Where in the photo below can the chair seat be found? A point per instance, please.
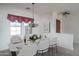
(54, 45)
(43, 46)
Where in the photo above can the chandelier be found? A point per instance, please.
(33, 24)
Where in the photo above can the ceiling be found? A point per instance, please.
(47, 7)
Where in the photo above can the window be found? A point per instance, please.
(28, 30)
(15, 28)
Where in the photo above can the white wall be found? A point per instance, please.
(4, 31)
(43, 19)
(65, 40)
(49, 17)
(70, 25)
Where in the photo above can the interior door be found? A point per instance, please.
(58, 29)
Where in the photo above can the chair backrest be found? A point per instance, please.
(28, 50)
(43, 44)
(15, 39)
(53, 41)
(16, 43)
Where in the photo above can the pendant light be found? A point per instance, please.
(33, 24)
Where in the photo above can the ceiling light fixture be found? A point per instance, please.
(33, 24)
(65, 13)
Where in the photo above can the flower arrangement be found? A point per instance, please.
(34, 37)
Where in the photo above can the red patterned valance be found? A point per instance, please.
(20, 19)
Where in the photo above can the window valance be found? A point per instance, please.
(20, 19)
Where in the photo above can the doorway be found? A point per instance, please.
(58, 27)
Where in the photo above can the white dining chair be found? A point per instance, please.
(16, 43)
(43, 47)
(16, 39)
(28, 50)
(53, 44)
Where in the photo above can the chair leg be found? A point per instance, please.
(37, 53)
(56, 49)
(42, 53)
(49, 51)
(52, 50)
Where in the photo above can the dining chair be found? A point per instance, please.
(28, 50)
(43, 47)
(15, 44)
(53, 44)
(16, 39)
